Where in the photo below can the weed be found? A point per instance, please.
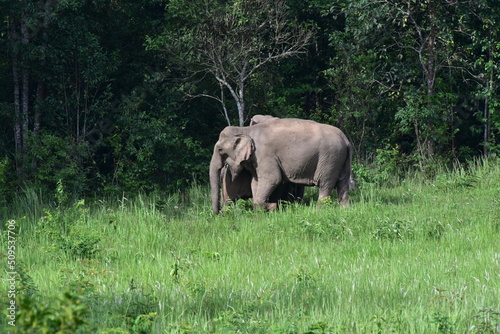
(324, 228)
(176, 270)
(487, 321)
(456, 181)
(64, 314)
(389, 229)
(435, 229)
(67, 228)
(240, 207)
(245, 321)
(27, 286)
(139, 307)
(444, 324)
(305, 276)
(143, 323)
(319, 328)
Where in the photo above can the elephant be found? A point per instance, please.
(239, 187)
(279, 150)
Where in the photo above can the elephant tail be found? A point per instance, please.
(346, 175)
(352, 184)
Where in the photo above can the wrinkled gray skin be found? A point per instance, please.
(240, 187)
(292, 150)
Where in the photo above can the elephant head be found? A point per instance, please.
(232, 151)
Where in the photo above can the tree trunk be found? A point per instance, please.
(40, 96)
(41, 85)
(430, 72)
(487, 122)
(241, 103)
(241, 112)
(25, 91)
(486, 113)
(18, 133)
(18, 138)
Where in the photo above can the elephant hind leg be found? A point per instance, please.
(343, 191)
(325, 192)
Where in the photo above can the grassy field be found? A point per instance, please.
(419, 256)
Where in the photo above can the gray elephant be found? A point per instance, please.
(239, 187)
(278, 150)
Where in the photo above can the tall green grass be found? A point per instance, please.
(420, 256)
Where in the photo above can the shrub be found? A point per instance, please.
(389, 229)
(66, 227)
(64, 314)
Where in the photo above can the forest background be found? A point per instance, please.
(122, 95)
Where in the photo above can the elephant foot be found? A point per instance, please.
(344, 198)
(265, 206)
(324, 201)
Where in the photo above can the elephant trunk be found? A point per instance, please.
(215, 169)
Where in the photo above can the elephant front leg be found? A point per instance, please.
(262, 194)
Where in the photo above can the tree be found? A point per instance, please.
(485, 69)
(414, 51)
(230, 41)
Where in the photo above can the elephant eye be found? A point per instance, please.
(220, 150)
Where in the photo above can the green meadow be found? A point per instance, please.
(410, 255)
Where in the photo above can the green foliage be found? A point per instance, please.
(319, 328)
(328, 228)
(388, 167)
(487, 321)
(389, 261)
(102, 84)
(239, 208)
(63, 314)
(57, 159)
(66, 228)
(27, 286)
(154, 151)
(139, 308)
(444, 325)
(393, 230)
(7, 184)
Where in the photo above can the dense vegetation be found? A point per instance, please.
(417, 256)
(108, 115)
(127, 95)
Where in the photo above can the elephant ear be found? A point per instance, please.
(243, 148)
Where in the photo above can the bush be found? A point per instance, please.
(7, 188)
(66, 228)
(64, 314)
